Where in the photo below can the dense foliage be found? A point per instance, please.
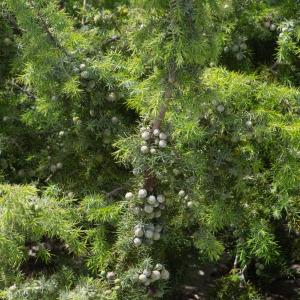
(136, 136)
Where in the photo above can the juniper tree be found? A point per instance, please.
(174, 103)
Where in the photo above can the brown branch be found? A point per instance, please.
(45, 26)
(150, 180)
(114, 192)
(110, 40)
(24, 90)
(49, 177)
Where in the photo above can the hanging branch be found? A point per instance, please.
(24, 90)
(115, 192)
(110, 40)
(149, 179)
(45, 27)
(242, 271)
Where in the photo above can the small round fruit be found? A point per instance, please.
(138, 232)
(261, 266)
(110, 275)
(239, 56)
(150, 216)
(61, 133)
(53, 168)
(137, 226)
(158, 228)
(267, 24)
(190, 204)
(156, 141)
(70, 194)
(137, 242)
(152, 150)
(258, 272)
(142, 193)
(149, 234)
(142, 278)
(148, 209)
(114, 120)
(249, 124)
(137, 210)
(165, 275)
(21, 173)
(235, 48)
(161, 198)
(5, 118)
(112, 97)
(151, 200)
(146, 135)
(181, 193)
(106, 132)
(176, 172)
(135, 171)
(159, 267)
(59, 165)
(155, 275)
(220, 108)
(54, 98)
(85, 74)
(273, 27)
(157, 214)
(7, 41)
(162, 144)
(76, 70)
(226, 49)
(149, 242)
(156, 204)
(91, 84)
(144, 149)
(92, 113)
(82, 66)
(162, 136)
(156, 236)
(128, 196)
(156, 132)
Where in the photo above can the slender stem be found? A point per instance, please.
(236, 259)
(150, 180)
(24, 90)
(45, 26)
(115, 192)
(84, 12)
(110, 40)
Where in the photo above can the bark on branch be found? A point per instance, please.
(149, 179)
